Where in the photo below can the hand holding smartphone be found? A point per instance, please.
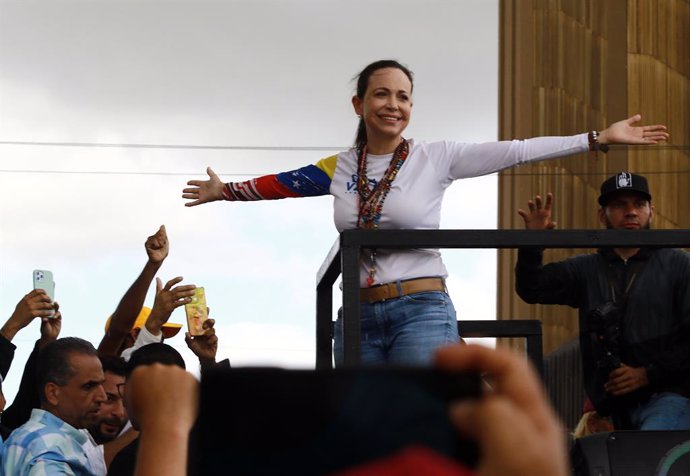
(43, 279)
(269, 422)
(197, 312)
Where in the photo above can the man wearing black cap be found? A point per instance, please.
(634, 311)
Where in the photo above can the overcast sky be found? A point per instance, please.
(240, 74)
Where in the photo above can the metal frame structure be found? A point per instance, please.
(529, 329)
(344, 258)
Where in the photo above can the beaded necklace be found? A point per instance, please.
(371, 200)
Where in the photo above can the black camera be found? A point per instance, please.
(605, 326)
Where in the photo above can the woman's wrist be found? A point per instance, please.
(598, 141)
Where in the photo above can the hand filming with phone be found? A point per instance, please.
(197, 312)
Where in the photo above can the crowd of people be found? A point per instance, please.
(128, 407)
(108, 410)
(69, 415)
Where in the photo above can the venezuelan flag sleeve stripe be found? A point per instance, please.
(309, 181)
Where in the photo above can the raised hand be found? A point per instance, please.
(539, 216)
(168, 298)
(515, 414)
(204, 191)
(35, 304)
(204, 346)
(162, 401)
(161, 394)
(50, 327)
(157, 247)
(625, 132)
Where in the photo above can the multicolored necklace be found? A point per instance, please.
(370, 203)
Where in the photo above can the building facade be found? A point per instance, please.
(570, 66)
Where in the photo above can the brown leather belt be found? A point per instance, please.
(382, 292)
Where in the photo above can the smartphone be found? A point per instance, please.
(197, 312)
(268, 421)
(43, 279)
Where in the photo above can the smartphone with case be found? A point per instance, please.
(197, 312)
(43, 279)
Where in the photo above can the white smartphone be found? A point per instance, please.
(43, 279)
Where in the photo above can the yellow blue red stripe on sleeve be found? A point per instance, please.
(309, 181)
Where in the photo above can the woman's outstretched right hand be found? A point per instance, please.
(204, 191)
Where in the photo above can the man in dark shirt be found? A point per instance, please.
(634, 310)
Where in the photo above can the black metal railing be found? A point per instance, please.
(344, 258)
(528, 329)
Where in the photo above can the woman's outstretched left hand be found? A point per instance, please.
(626, 132)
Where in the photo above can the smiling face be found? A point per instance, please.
(385, 108)
(627, 211)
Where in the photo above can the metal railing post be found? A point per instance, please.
(324, 340)
(325, 278)
(351, 310)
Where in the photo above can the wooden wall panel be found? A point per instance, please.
(659, 71)
(568, 66)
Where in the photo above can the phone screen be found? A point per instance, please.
(275, 421)
(197, 312)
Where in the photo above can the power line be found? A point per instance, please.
(254, 174)
(115, 172)
(264, 148)
(590, 174)
(170, 146)
(681, 147)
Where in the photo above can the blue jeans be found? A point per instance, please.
(663, 411)
(403, 331)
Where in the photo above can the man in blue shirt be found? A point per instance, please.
(71, 378)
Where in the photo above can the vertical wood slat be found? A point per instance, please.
(568, 66)
(659, 68)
